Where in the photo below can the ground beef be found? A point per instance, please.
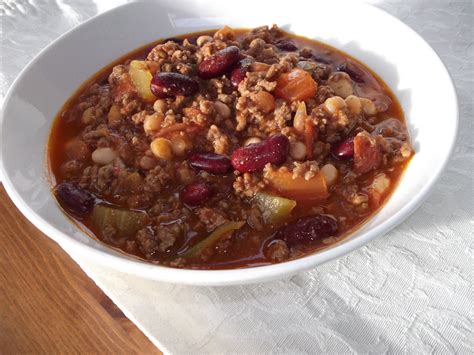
(212, 218)
(248, 185)
(71, 169)
(278, 251)
(123, 90)
(255, 218)
(220, 141)
(91, 136)
(152, 241)
(220, 118)
(324, 93)
(264, 32)
(171, 56)
(147, 242)
(98, 178)
(307, 169)
(178, 263)
(168, 234)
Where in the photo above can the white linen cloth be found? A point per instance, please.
(410, 291)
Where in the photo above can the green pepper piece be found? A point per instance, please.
(274, 208)
(212, 239)
(306, 66)
(125, 222)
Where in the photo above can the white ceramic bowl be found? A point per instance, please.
(402, 58)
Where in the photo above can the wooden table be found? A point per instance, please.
(48, 304)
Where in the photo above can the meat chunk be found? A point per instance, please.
(367, 153)
(121, 83)
(147, 242)
(150, 242)
(212, 218)
(255, 218)
(278, 251)
(248, 185)
(220, 141)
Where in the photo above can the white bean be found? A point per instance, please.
(160, 106)
(88, 115)
(341, 83)
(114, 114)
(354, 104)
(334, 104)
(222, 109)
(152, 122)
(297, 150)
(368, 106)
(330, 173)
(104, 156)
(252, 140)
(161, 148)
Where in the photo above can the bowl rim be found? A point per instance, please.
(223, 276)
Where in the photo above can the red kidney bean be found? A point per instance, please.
(344, 150)
(219, 63)
(254, 157)
(74, 199)
(196, 193)
(239, 73)
(211, 162)
(307, 229)
(286, 45)
(167, 84)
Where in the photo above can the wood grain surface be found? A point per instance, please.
(48, 304)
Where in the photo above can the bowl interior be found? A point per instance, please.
(404, 61)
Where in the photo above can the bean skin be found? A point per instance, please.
(194, 194)
(308, 229)
(219, 63)
(240, 72)
(167, 84)
(344, 150)
(211, 162)
(254, 157)
(76, 200)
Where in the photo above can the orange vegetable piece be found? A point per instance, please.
(367, 153)
(299, 188)
(189, 128)
(309, 137)
(295, 85)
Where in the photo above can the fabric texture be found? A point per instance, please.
(410, 291)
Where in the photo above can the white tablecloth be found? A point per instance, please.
(410, 291)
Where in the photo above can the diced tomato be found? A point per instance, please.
(295, 85)
(367, 153)
(298, 188)
(309, 137)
